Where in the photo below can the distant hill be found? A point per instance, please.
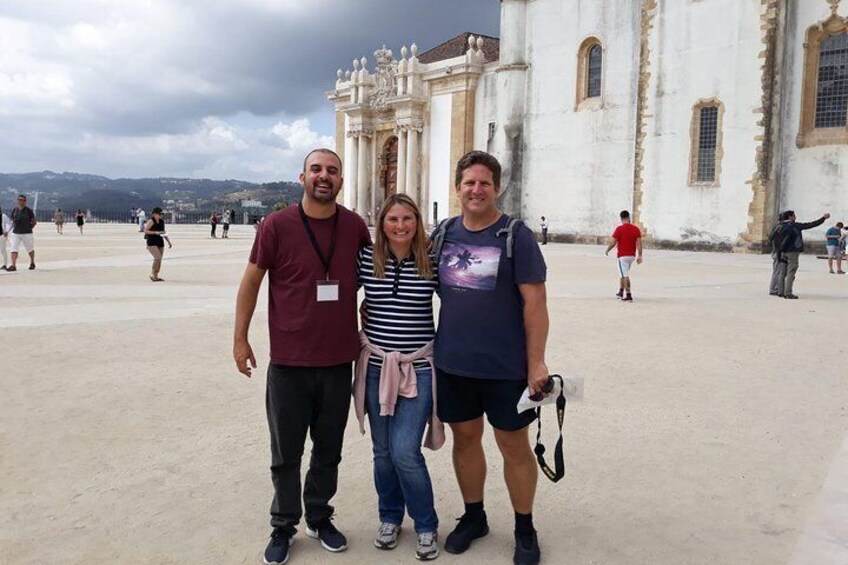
(71, 191)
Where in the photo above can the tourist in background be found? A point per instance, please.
(833, 239)
(791, 247)
(628, 238)
(23, 221)
(227, 217)
(59, 220)
(142, 219)
(544, 226)
(213, 221)
(5, 230)
(80, 217)
(778, 261)
(154, 234)
(394, 373)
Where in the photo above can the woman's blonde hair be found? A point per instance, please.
(419, 240)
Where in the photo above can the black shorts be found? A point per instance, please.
(465, 398)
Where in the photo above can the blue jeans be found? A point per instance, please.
(400, 472)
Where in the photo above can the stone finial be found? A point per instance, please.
(414, 50)
(480, 44)
(364, 62)
(471, 42)
(834, 6)
(347, 74)
(356, 64)
(339, 74)
(403, 52)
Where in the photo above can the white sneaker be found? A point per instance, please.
(428, 546)
(387, 536)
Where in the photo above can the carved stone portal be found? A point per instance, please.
(388, 167)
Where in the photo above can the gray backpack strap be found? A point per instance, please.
(438, 238)
(509, 231)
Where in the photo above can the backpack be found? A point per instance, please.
(438, 237)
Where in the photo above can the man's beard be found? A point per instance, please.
(321, 197)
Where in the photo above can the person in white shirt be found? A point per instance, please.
(544, 225)
(5, 230)
(142, 219)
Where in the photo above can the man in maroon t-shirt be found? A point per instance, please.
(629, 241)
(309, 252)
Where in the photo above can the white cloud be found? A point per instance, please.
(214, 149)
(214, 88)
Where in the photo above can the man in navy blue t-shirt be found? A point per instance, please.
(490, 346)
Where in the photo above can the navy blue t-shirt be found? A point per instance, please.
(481, 320)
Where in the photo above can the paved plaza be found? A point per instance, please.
(713, 429)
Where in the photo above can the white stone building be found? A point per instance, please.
(703, 117)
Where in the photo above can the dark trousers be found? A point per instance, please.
(778, 272)
(544, 236)
(300, 400)
(214, 226)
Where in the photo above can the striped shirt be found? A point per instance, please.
(399, 306)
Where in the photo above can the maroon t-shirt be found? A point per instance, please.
(305, 332)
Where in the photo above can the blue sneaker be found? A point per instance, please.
(331, 539)
(277, 552)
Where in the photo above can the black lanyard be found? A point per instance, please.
(559, 461)
(324, 260)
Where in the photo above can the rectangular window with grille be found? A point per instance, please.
(593, 79)
(832, 88)
(491, 131)
(707, 144)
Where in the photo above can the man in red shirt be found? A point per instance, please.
(629, 241)
(309, 252)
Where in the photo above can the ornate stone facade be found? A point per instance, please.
(633, 141)
(386, 117)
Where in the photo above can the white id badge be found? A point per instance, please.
(328, 291)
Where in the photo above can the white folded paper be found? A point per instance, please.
(572, 387)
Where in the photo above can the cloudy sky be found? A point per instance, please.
(193, 88)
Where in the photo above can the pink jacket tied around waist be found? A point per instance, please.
(397, 379)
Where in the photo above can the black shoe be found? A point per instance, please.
(791, 296)
(12, 269)
(277, 551)
(468, 530)
(774, 294)
(32, 266)
(526, 549)
(619, 294)
(3, 268)
(627, 298)
(331, 539)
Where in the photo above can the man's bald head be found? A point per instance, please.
(321, 150)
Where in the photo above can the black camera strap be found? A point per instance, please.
(539, 450)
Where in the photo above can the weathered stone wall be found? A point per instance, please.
(701, 51)
(578, 160)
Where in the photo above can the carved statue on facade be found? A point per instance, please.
(385, 77)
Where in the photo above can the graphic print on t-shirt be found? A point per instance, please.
(469, 266)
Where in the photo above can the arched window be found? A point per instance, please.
(593, 72)
(706, 153)
(824, 98)
(590, 71)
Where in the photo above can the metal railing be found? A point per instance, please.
(105, 217)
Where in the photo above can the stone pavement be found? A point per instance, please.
(713, 429)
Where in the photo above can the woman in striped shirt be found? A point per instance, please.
(394, 377)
